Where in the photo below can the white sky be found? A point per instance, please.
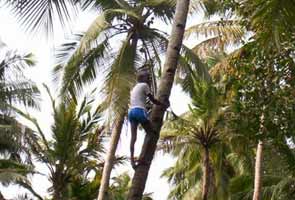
(12, 35)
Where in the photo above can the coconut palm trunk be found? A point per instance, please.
(258, 161)
(58, 183)
(258, 171)
(206, 174)
(109, 162)
(166, 82)
(1, 196)
(107, 169)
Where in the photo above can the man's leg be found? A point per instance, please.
(132, 142)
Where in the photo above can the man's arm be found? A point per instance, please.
(153, 99)
(157, 102)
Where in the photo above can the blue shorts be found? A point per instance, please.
(137, 115)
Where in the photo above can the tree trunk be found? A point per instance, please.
(109, 162)
(1, 196)
(58, 183)
(206, 174)
(107, 168)
(166, 82)
(258, 160)
(258, 171)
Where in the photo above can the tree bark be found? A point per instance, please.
(1, 197)
(58, 182)
(258, 171)
(107, 168)
(166, 82)
(258, 161)
(206, 174)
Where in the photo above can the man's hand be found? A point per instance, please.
(166, 104)
(133, 163)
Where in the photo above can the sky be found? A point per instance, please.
(16, 38)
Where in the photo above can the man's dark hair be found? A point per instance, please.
(142, 76)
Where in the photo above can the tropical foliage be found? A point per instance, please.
(246, 98)
(15, 89)
(73, 151)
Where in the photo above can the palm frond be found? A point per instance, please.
(219, 35)
(13, 172)
(35, 123)
(271, 21)
(162, 9)
(25, 93)
(101, 4)
(120, 78)
(111, 14)
(189, 62)
(213, 7)
(30, 188)
(14, 86)
(81, 69)
(38, 15)
(78, 60)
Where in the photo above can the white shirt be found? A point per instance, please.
(138, 95)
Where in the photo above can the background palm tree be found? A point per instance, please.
(73, 152)
(194, 136)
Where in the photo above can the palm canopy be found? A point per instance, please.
(220, 35)
(98, 50)
(271, 21)
(39, 15)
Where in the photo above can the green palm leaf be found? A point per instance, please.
(219, 35)
(14, 86)
(38, 15)
(120, 78)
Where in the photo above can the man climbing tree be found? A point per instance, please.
(138, 113)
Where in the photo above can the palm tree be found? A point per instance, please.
(273, 25)
(186, 175)
(199, 127)
(166, 81)
(75, 149)
(278, 175)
